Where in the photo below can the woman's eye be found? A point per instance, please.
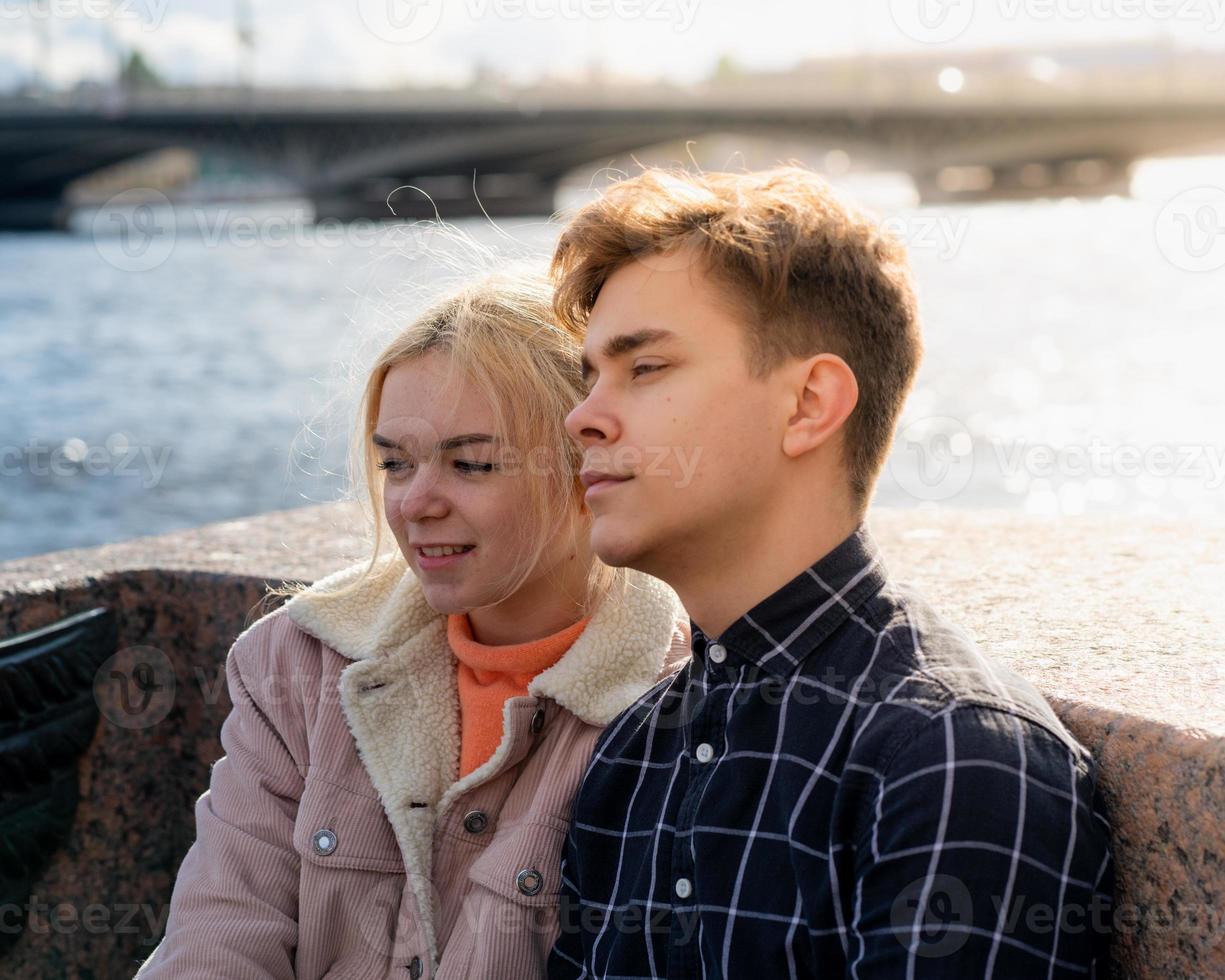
(640, 369)
(468, 466)
(394, 465)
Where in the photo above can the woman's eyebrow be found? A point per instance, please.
(472, 438)
(626, 343)
(455, 442)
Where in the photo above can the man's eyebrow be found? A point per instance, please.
(455, 442)
(625, 343)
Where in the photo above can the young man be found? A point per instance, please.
(838, 782)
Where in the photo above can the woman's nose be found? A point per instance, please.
(425, 498)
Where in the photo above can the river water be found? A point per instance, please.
(160, 374)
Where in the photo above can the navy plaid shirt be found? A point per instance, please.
(842, 785)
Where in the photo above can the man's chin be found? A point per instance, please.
(615, 547)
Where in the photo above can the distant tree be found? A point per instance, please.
(137, 73)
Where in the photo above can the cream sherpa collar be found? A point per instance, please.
(617, 657)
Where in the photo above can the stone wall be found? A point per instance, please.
(1121, 623)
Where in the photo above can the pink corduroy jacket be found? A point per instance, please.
(335, 840)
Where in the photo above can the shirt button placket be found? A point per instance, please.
(703, 731)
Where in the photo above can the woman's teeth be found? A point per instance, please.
(446, 550)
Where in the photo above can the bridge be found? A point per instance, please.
(354, 157)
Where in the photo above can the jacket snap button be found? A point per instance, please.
(537, 720)
(414, 968)
(475, 822)
(324, 841)
(529, 881)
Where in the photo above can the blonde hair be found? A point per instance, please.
(499, 333)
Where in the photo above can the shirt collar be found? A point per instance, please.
(787, 626)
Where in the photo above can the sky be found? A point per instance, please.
(387, 43)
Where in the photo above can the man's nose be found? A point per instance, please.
(591, 422)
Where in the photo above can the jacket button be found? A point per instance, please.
(414, 968)
(324, 841)
(475, 822)
(537, 721)
(529, 881)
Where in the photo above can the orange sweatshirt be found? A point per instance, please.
(489, 675)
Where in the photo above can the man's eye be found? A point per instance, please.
(469, 466)
(645, 369)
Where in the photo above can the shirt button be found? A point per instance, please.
(716, 653)
(414, 968)
(705, 752)
(324, 841)
(684, 888)
(537, 721)
(529, 881)
(475, 822)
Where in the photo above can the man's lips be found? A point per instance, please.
(592, 477)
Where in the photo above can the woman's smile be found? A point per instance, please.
(442, 556)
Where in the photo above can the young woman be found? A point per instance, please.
(408, 733)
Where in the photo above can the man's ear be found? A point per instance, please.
(825, 393)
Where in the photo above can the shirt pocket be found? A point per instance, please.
(337, 828)
(509, 918)
(522, 864)
(351, 886)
